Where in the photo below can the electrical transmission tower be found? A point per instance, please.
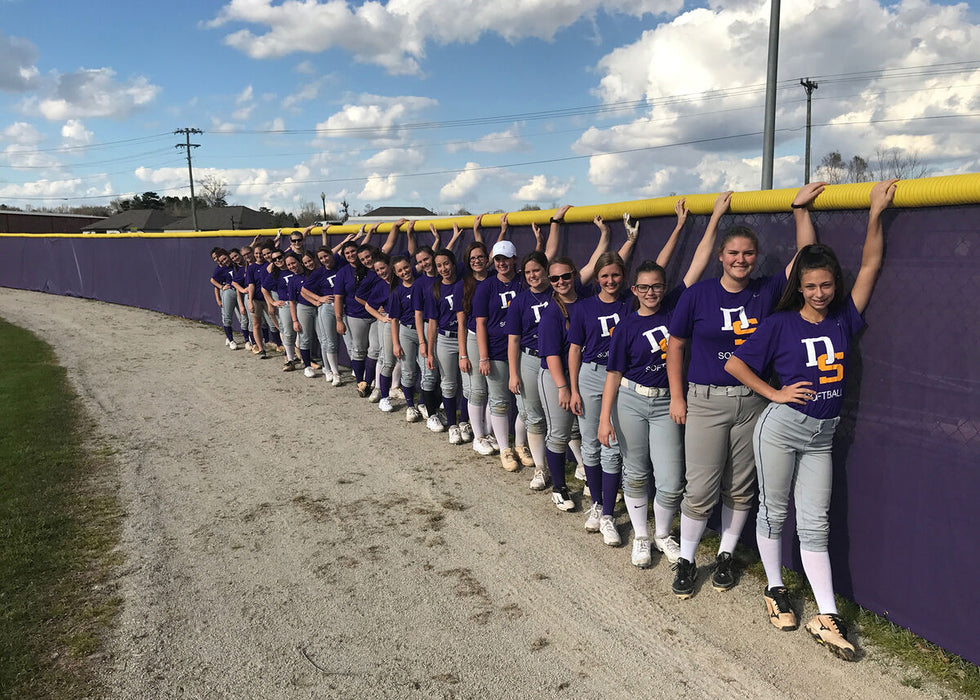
(190, 172)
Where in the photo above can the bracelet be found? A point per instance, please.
(556, 221)
(484, 359)
(563, 386)
(463, 357)
(798, 206)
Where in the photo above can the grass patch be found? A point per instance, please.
(59, 527)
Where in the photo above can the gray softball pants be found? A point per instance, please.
(591, 380)
(408, 338)
(359, 330)
(430, 377)
(474, 383)
(229, 302)
(647, 434)
(387, 356)
(560, 422)
(244, 320)
(326, 329)
(793, 452)
(718, 448)
(529, 405)
(447, 357)
(285, 323)
(307, 320)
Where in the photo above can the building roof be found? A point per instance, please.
(391, 214)
(224, 219)
(133, 220)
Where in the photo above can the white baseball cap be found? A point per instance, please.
(505, 248)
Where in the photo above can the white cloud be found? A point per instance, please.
(17, 69)
(542, 188)
(394, 35)
(305, 67)
(394, 159)
(22, 152)
(304, 94)
(497, 142)
(245, 96)
(74, 133)
(55, 189)
(374, 116)
(92, 92)
(22, 134)
(464, 184)
(378, 187)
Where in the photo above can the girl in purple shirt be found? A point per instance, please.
(712, 318)
(221, 280)
(442, 308)
(806, 342)
(241, 290)
(404, 337)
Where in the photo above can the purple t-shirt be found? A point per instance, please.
(282, 285)
(718, 321)
(401, 304)
(490, 301)
(445, 308)
(347, 288)
(238, 276)
(222, 275)
(420, 292)
(322, 282)
(639, 346)
(800, 351)
(375, 291)
(254, 274)
(524, 315)
(592, 325)
(552, 334)
(293, 289)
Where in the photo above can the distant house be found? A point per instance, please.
(132, 220)
(224, 219)
(391, 214)
(12, 221)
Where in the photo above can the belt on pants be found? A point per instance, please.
(530, 351)
(651, 392)
(707, 390)
(448, 334)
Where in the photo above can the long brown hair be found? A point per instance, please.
(567, 262)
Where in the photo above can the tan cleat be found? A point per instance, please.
(830, 631)
(509, 460)
(781, 613)
(524, 454)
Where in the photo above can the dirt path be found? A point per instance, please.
(284, 550)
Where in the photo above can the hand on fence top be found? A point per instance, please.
(503, 221)
(680, 208)
(400, 222)
(476, 220)
(808, 193)
(600, 223)
(722, 203)
(882, 195)
(632, 230)
(562, 210)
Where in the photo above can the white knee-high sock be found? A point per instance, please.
(476, 419)
(332, 362)
(691, 531)
(501, 430)
(396, 375)
(771, 553)
(536, 443)
(817, 568)
(520, 432)
(732, 523)
(638, 509)
(664, 518)
(576, 447)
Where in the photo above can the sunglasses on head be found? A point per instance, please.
(564, 277)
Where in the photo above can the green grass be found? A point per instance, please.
(59, 527)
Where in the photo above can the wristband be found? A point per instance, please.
(555, 221)
(463, 357)
(798, 206)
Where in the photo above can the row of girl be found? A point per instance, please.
(676, 404)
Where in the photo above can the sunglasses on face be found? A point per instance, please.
(564, 277)
(277, 258)
(296, 240)
(644, 288)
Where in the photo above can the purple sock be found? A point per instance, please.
(246, 336)
(358, 367)
(265, 334)
(276, 338)
(556, 465)
(610, 485)
(305, 354)
(464, 412)
(431, 400)
(449, 403)
(409, 393)
(370, 368)
(228, 334)
(384, 384)
(594, 479)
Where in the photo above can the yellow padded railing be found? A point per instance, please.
(948, 190)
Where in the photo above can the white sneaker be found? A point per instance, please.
(309, 372)
(586, 491)
(434, 424)
(232, 345)
(641, 552)
(481, 446)
(412, 414)
(492, 439)
(562, 500)
(328, 376)
(592, 522)
(248, 346)
(454, 437)
(423, 411)
(466, 431)
(336, 380)
(396, 393)
(668, 545)
(375, 395)
(610, 535)
(508, 460)
(524, 455)
(385, 405)
(580, 472)
(538, 481)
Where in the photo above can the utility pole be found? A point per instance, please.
(809, 86)
(190, 172)
(769, 131)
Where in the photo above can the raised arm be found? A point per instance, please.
(632, 233)
(389, 243)
(348, 237)
(457, 232)
(502, 236)
(702, 254)
(370, 232)
(588, 270)
(477, 236)
(805, 233)
(410, 238)
(882, 196)
(538, 238)
(554, 233)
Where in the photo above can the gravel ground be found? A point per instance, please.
(315, 547)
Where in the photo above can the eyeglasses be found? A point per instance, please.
(296, 240)
(644, 288)
(477, 258)
(564, 277)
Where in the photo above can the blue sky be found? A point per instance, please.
(458, 103)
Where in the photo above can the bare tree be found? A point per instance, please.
(835, 170)
(308, 214)
(896, 162)
(213, 192)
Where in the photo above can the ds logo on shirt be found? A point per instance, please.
(536, 308)
(826, 360)
(737, 322)
(506, 298)
(607, 327)
(655, 343)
